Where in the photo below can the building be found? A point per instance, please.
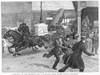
(14, 13)
(85, 8)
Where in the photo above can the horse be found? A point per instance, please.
(19, 42)
(24, 30)
(16, 36)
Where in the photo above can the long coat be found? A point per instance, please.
(75, 60)
(89, 44)
(95, 41)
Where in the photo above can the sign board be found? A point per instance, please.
(96, 24)
(83, 4)
(41, 29)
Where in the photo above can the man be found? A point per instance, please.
(75, 38)
(95, 43)
(75, 60)
(24, 29)
(67, 42)
(89, 43)
(56, 52)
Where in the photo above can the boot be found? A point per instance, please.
(64, 68)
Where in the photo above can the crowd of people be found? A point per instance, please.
(91, 33)
(72, 48)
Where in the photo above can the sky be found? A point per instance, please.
(52, 5)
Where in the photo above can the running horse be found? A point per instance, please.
(19, 41)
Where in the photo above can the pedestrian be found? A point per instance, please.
(24, 29)
(95, 43)
(89, 43)
(75, 60)
(56, 51)
(68, 43)
(75, 38)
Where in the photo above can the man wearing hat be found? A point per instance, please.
(55, 51)
(24, 29)
(75, 60)
(75, 38)
(67, 42)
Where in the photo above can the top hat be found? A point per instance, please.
(83, 37)
(23, 24)
(68, 36)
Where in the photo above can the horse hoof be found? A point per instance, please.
(44, 55)
(11, 52)
(18, 54)
(14, 54)
(46, 47)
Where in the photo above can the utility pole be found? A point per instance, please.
(79, 19)
(81, 5)
(41, 12)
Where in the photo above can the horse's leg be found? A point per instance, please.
(3, 50)
(27, 45)
(21, 48)
(16, 50)
(9, 49)
(36, 47)
(32, 48)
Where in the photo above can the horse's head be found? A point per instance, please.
(8, 34)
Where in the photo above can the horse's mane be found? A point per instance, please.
(15, 32)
